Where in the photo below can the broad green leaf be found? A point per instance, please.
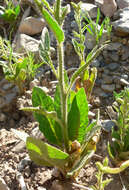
(84, 159)
(50, 154)
(40, 98)
(46, 128)
(83, 109)
(73, 120)
(52, 23)
(51, 130)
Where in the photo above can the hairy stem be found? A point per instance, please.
(63, 95)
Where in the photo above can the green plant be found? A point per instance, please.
(103, 168)
(17, 70)
(118, 148)
(64, 119)
(10, 12)
(97, 30)
(88, 77)
(101, 184)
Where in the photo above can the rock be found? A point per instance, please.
(113, 66)
(96, 101)
(8, 94)
(108, 87)
(95, 63)
(125, 53)
(91, 115)
(37, 133)
(113, 55)
(113, 46)
(90, 40)
(109, 7)
(124, 76)
(6, 137)
(99, 92)
(121, 26)
(90, 9)
(3, 185)
(19, 147)
(32, 26)
(56, 185)
(122, 3)
(26, 43)
(124, 82)
(106, 79)
(24, 162)
(41, 188)
(99, 3)
(107, 125)
(118, 86)
(111, 112)
(2, 117)
(34, 83)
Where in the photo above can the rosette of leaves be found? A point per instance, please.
(118, 148)
(63, 119)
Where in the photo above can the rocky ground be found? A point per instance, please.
(17, 171)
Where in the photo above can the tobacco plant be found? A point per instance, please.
(118, 148)
(63, 119)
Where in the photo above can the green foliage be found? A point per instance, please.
(10, 12)
(95, 30)
(64, 119)
(118, 148)
(87, 78)
(103, 168)
(101, 184)
(17, 69)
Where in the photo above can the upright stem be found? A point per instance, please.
(63, 95)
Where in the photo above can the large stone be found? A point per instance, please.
(26, 43)
(121, 26)
(122, 3)
(109, 7)
(32, 26)
(90, 9)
